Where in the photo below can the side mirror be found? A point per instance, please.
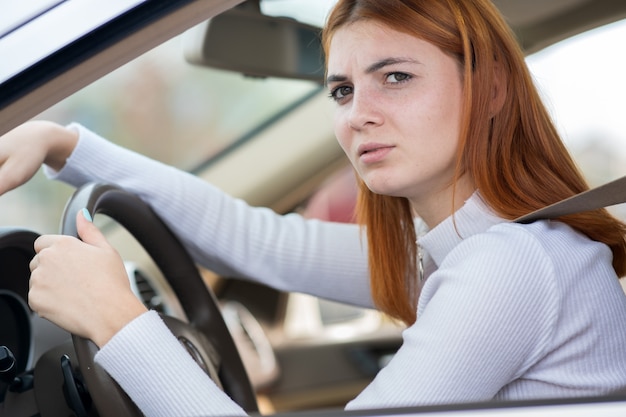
(257, 45)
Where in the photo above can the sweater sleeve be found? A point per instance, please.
(153, 368)
(481, 324)
(227, 235)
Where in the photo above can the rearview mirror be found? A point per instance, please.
(257, 45)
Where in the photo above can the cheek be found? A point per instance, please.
(342, 131)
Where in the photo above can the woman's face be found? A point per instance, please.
(397, 116)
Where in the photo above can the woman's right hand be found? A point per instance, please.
(24, 149)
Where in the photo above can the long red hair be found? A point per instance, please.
(514, 157)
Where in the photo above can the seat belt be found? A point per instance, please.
(606, 195)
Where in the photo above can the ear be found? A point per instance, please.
(499, 90)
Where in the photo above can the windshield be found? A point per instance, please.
(163, 107)
(158, 105)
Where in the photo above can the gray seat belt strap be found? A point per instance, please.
(605, 195)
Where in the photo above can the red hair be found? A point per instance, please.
(515, 157)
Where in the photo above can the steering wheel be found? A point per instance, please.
(205, 335)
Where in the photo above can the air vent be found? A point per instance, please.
(145, 291)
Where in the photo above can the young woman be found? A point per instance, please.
(438, 114)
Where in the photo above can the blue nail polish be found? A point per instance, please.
(86, 215)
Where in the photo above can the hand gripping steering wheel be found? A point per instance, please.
(205, 334)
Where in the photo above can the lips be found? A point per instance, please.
(371, 147)
(373, 152)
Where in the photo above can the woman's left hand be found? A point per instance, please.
(82, 286)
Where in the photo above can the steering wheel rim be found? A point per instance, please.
(198, 301)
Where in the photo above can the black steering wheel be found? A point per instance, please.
(205, 335)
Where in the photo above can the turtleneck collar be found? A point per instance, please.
(472, 218)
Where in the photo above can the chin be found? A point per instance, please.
(384, 189)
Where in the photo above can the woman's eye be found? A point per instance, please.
(340, 93)
(397, 77)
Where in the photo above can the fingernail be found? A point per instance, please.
(86, 215)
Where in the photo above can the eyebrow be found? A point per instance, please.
(376, 66)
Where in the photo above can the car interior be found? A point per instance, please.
(232, 91)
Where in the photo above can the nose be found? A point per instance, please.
(365, 109)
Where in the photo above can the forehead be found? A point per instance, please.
(359, 44)
(366, 31)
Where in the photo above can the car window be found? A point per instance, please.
(178, 113)
(582, 82)
(163, 107)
